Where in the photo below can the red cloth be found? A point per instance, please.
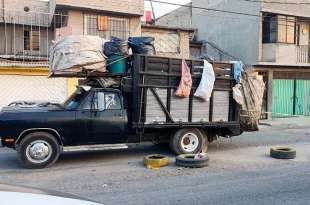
(185, 85)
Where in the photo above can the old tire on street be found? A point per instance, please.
(283, 153)
(187, 141)
(188, 160)
(155, 161)
(38, 150)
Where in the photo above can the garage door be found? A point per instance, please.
(291, 97)
(31, 88)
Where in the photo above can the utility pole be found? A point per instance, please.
(153, 12)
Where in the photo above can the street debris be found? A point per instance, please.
(155, 161)
(283, 153)
(192, 160)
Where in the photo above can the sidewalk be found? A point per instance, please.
(301, 121)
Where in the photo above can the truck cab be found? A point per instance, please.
(101, 117)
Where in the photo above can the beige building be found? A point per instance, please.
(28, 27)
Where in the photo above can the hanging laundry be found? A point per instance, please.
(185, 86)
(238, 69)
(206, 84)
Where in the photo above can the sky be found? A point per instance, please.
(161, 9)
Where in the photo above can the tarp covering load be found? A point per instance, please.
(142, 45)
(77, 54)
(249, 94)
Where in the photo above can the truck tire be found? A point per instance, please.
(187, 141)
(155, 161)
(188, 160)
(38, 150)
(283, 153)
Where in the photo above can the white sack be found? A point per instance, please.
(206, 84)
(237, 95)
(76, 54)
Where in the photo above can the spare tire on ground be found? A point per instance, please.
(155, 161)
(188, 160)
(283, 153)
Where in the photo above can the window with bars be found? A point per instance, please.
(106, 26)
(31, 40)
(60, 19)
(279, 29)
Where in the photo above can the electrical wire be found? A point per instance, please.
(237, 13)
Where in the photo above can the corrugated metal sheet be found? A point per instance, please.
(282, 98)
(307, 97)
(300, 97)
(31, 88)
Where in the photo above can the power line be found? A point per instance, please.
(203, 8)
(277, 2)
(233, 12)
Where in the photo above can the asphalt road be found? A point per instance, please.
(240, 172)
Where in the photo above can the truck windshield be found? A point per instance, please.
(73, 101)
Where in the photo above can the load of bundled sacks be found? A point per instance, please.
(81, 55)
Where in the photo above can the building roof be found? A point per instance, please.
(299, 8)
(125, 7)
(191, 30)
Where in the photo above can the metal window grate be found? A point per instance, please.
(117, 27)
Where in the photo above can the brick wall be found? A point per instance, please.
(169, 42)
(134, 7)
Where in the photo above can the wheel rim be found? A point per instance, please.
(189, 142)
(38, 151)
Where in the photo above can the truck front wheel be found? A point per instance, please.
(187, 141)
(38, 150)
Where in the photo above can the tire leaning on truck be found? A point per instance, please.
(38, 150)
(188, 141)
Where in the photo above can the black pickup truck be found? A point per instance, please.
(141, 108)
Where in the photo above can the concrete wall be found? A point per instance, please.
(135, 26)
(133, 7)
(13, 12)
(181, 17)
(237, 34)
(269, 52)
(169, 43)
(294, 9)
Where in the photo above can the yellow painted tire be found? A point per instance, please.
(156, 161)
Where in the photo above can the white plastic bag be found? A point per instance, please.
(206, 85)
(237, 95)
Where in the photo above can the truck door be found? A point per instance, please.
(108, 118)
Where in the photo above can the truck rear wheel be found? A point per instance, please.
(38, 150)
(187, 141)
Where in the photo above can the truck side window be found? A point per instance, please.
(88, 103)
(107, 101)
(112, 101)
(100, 101)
